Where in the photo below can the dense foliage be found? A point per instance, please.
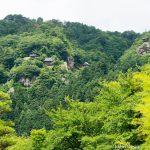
(6, 130)
(72, 86)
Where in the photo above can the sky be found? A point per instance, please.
(112, 15)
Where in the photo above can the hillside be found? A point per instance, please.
(72, 86)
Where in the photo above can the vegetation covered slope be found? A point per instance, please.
(34, 86)
(117, 118)
(78, 99)
(131, 58)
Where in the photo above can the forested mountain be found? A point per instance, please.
(72, 86)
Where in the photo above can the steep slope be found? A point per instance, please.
(43, 62)
(131, 59)
(13, 24)
(90, 38)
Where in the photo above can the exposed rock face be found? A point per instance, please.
(11, 91)
(70, 62)
(64, 67)
(26, 82)
(63, 79)
(144, 48)
(26, 58)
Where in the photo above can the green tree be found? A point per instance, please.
(101, 124)
(38, 137)
(3, 74)
(6, 130)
